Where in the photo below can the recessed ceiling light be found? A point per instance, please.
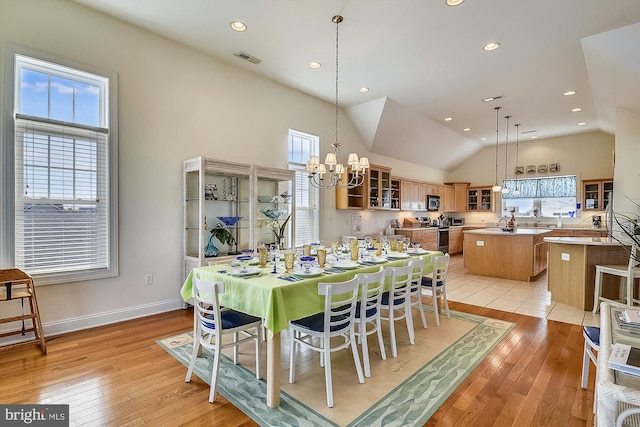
(363, 89)
(483, 139)
(454, 2)
(534, 137)
(491, 46)
(466, 129)
(582, 123)
(575, 110)
(238, 26)
(448, 119)
(570, 92)
(492, 98)
(315, 65)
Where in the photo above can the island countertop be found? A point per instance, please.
(494, 231)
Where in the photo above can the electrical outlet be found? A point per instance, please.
(566, 257)
(148, 279)
(480, 243)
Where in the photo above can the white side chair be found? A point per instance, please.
(627, 274)
(211, 322)
(436, 285)
(397, 303)
(591, 343)
(368, 314)
(416, 285)
(338, 320)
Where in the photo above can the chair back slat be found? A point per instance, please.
(340, 304)
(440, 268)
(416, 273)
(400, 283)
(207, 299)
(371, 286)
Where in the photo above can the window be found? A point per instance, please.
(64, 213)
(541, 197)
(301, 146)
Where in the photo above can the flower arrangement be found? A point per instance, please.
(276, 228)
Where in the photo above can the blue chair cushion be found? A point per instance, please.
(426, 281)
(316, 322)
(385, 300)
(232, 319)
(593, 334)
(369, 312)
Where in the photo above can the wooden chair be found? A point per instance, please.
(338, 320)
(211, 322)
(627, 273)
(368, 314)
(19, 285)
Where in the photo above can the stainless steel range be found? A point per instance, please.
(443, 239)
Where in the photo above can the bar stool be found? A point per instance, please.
(19, 285)
(627, 273)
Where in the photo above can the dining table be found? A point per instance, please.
(280, 297)
(615, 392)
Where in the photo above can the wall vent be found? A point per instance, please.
(246, 57)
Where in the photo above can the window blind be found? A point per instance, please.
(548, 187)
(61, 202)
(307, 213)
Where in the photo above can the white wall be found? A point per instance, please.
(626, 189)
(174, 103)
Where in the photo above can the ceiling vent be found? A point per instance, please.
(528, 131)
(246, 57)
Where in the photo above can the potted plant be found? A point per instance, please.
(225, 237)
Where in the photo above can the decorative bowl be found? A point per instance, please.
(229, 221)
(273, 214)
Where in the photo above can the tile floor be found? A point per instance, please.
(528, 298)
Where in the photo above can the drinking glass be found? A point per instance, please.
(400, 246)
(334, 248)
(306, 250)
(322, 257)
(354, 252)
(393, 244)
(378, 249)
(263, 257)
(274, 253)
(289, 260)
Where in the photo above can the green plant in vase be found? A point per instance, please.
(278, 230)
(225, 237)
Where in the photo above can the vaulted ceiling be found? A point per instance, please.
(423, 61)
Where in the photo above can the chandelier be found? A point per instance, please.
(333, 167)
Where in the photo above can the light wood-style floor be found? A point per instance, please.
(118, 375)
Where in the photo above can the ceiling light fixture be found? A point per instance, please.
(238, 26)
(315, 65)
(363, 89)
(570, 92)
(575, 110)
(582, 123)
(491, 46)
(454, 2)
(448, 119)
(505, 189)
(466, 129)
(333, 161)
(516, 191)
(496, 188)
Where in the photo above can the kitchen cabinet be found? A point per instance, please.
(596, 193)
(455, 240)
(380, 190)
(215, 191)
(412, 196)
(567, 232)
(428, 237)
(352, 198)
(447, 199)
(479, 199)
(459, 203)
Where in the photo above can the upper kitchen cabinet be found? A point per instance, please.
(352, 198)
(479, 199)
(379, 187)
(379, 191)
(596, 194)
(459, 197)
(412, 196)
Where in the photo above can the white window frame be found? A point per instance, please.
(305, 214)
(7, 162)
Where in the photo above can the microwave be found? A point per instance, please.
(457, 221)
(433, 202)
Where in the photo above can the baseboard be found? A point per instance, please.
(100, 319)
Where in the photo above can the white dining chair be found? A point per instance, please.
(591, 336)
(397, 303)
(416, 286)
(211, 322)
(368, 314)
(337, 320)
(436, 285)
(627, 273)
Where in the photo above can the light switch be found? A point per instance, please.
(566, 257)
(480, 242)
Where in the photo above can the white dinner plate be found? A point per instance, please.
(254, 261)
(418, 251)
(240, 272)
(377, 259)
(345, 265)
(301, 274)
(398, 255)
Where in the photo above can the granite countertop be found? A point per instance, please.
(517, 232)
(590, 241)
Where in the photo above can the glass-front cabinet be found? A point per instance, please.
(596, 194)
(225, 204)
(479, 199)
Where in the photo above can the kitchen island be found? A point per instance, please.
(517, 255)
(572, 268)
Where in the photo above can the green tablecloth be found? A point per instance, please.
(275, 300)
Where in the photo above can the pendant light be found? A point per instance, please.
(505, 189)
(496, 188)
(516, 191)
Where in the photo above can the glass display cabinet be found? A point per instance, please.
(275, 198)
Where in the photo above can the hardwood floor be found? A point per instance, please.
(118, 375)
